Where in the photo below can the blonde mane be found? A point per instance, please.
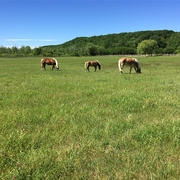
(56, 62)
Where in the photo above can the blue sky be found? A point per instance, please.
(37, 23)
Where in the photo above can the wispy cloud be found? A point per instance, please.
(45, 40)
(37, 40)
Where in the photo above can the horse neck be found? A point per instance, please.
(99, 66)
(138, 69)
(56, 62)
(138, 66)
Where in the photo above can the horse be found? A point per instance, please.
(94, 63)
(49, 61)
(132, 62)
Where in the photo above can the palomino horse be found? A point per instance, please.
(94, 63)
(132, 62)
(49, 61)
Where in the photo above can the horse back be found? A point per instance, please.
(128, 61)
(48, 61)
(123, 60)
(131, 60)
(94, 63)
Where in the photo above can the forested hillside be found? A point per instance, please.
(141, 42)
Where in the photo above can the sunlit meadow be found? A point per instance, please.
(72, 124)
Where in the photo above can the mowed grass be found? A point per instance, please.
(72, 124)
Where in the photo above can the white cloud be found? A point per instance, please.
(19, 40)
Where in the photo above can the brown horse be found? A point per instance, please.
(132, 62)
(49, 61)
(94, 63)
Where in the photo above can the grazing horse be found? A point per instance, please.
(94, 63)
(132, 62)
(49, 61)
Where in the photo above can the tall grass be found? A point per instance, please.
(72, 124)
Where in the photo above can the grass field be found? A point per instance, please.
(69, 124)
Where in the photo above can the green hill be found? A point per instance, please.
(123, 43)
(167, 42)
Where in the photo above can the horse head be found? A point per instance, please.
(56, 62)
(57, 66)
(98, 64)
(138, 70)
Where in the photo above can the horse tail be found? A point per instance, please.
(119, 65)
(42, 60)
(86, 65)
(42, 63)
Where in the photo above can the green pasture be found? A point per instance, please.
(71, 124)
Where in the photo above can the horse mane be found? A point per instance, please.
(56, 62)
(138, 66)
(98, 63)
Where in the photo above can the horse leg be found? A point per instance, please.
(121, 70)
(130, 69)
(52, 67)
(95, 67)
(44, 65)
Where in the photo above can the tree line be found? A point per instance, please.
(129, 43)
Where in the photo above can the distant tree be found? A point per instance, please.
(169, 50)
(14, 50)
(178, 50)
(161, 41)
(27, 50)
(3, 50)
(174, 40)
(147, 47)
(102, 51)
(37, 51)
(24, 50)
(173, 43)
(93, 49)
